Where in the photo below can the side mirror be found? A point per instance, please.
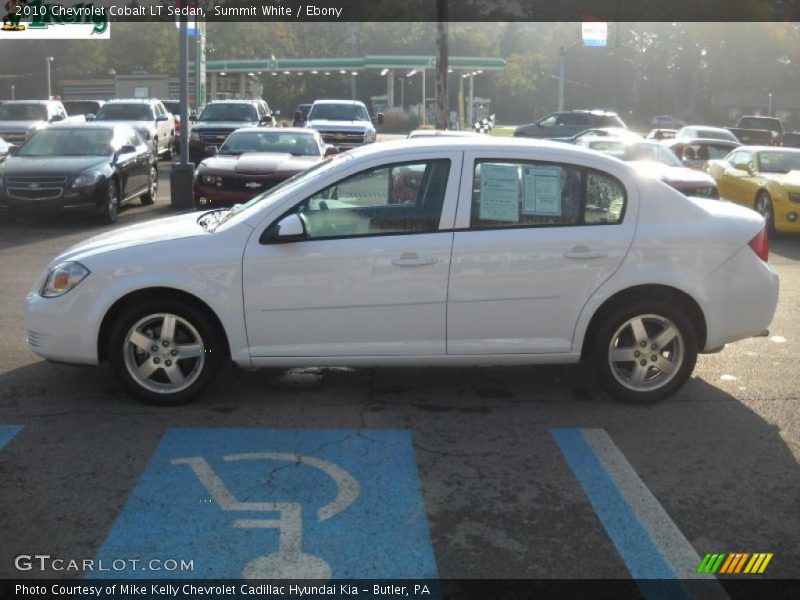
(331, 150)
(193, 117)
(743, 167)
(127, 149)
(91, 117)
(56, 118)
(12, 149)
(289, 229)
(211, 150)
(162, 118)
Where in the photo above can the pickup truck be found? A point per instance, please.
(345, 124)
(759, 131)
(19, 119)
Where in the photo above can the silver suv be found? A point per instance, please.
(149, 117)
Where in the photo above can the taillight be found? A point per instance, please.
(760, 245)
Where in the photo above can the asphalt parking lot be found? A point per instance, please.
(480, 472)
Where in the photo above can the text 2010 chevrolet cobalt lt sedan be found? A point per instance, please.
(502, 252)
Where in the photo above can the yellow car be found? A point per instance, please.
(764, 178)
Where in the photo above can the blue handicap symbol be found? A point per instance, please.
(7, 432)
(275, 504)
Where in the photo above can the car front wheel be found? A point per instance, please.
(645, 351)
(165, 352)
(151, 195)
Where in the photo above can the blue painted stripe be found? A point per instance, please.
(7, 432)
(641, 554)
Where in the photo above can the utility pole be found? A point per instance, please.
(48, 60)
(561, 53)
(442, 105)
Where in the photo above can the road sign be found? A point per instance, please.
(595, 33)
(277, 504)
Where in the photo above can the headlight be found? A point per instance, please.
(87, 179)
(194, 136)
(62, 278)
(370, 136)
(793, 196)
(211, 180)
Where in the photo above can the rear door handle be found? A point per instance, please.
(583, 252)
(412, 259)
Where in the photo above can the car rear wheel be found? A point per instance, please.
(165, 352)
(110, 209)
(645, 352)
(151, 195)
(764, 208)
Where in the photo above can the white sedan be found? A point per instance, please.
(460, 251)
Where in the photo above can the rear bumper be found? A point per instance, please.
(738, 299)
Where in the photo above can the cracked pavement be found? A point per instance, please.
(721, 456)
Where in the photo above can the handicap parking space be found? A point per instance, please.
(277, 504)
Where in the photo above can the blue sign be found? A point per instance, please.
(7, 432)
(275, 504)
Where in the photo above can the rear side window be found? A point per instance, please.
(539, 194)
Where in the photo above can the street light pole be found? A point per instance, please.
(48, 60)
(561, 53)
(769, 109)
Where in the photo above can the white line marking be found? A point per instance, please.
(676, 548)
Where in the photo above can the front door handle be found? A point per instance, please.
(583, 252)
(412, 259)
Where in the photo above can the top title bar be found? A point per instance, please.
(72, 11)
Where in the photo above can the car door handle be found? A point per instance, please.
(412, 259)
(583, 252)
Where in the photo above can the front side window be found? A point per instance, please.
(390, 199)
(530, 194)
(548, 121)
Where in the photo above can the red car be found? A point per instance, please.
(253, 160)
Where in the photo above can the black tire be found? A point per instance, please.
(110, 209)
(151, 195)
(764, 207)
(170, 146)
(200, 375)
(681, 352)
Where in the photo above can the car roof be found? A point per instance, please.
(131, 100)
(769, 149)
(235, 101)
(348, 102)
(29, 101)
(709, 127)
(304, 130)
(674, 142)
(88, 125)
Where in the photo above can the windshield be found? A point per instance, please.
(22, 112)
(230, 112)
(125, 112)
(778, 162)
(299, 179)
(298, 144)
(338, 112)
(760, 123)
(172, 106)
(80, 108)
(68, 142)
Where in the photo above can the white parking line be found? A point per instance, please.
(676, 548)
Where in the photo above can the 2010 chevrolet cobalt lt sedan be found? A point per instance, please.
(451, 251)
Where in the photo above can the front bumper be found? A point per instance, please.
(69, 200)
(215, 196)
(62, 329)
(784, 211)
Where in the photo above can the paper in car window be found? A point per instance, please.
(499, 193)
(541, 191)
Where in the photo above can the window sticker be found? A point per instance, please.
(499, 199)
(541, 191)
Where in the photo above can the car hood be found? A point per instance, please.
(150, 125)
(667, 173)
(326, 125)
(17, 125)
(258, 163)
(199, 125)
(149, 232)
(23, 166)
